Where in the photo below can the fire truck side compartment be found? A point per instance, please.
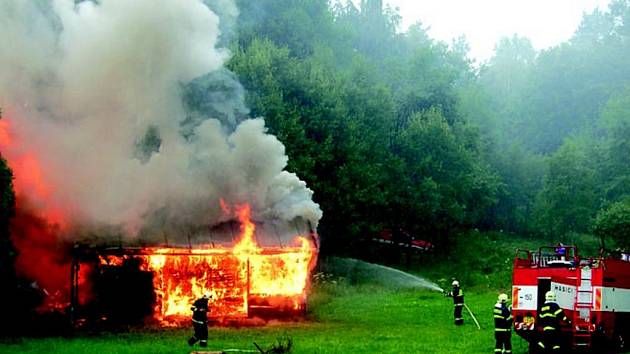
(594, 293)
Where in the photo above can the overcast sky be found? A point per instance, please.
(484, 22)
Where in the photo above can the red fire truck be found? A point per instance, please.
(593, 292)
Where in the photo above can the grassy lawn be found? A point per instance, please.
(342, 319)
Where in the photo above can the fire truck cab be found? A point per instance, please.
(593, 292)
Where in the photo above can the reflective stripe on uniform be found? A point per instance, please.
(200, 322)
(541, 345)
(501, 329)
(459, 304)
(549, 328)
(557, 312)
(501, 317)
(543, 315)
(498, 350)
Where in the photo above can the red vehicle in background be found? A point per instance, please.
(593, 292)
(402, 238)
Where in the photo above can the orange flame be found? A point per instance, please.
(30, 180)
(39, 220)
(236, 278)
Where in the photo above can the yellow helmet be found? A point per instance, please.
(503, 298)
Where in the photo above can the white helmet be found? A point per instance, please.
(503, 298)
(550, 296)
(455, 283)
(207, 294)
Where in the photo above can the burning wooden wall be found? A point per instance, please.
(243, 279)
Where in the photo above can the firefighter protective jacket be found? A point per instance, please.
(458, 296)
(502, 318)
(200, 311)
(551, 316)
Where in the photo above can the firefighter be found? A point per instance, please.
(200, 321)
(502, 326)
(550, 318)
(458, 301)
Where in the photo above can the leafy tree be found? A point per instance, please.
(614, 223)
(569, 198)
(521, 173)
(507, 79)
(371, 28)
(572, 82)
(615, 121)
(448, 184)
(299, 25)
(536, 101)
(333, 124)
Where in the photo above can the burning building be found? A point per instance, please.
(125, 154)
(244, 278)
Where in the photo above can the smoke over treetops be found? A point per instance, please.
(102, 133)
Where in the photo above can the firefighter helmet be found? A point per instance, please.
(550, 296)
(207, 294)
(455, 283)
(503, 298)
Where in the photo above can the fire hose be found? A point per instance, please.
(473, 316)
(467, 309)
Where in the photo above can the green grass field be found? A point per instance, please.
(342, 319)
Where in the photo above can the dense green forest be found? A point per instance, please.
(395, 130)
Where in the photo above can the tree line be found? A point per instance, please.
(394, 129)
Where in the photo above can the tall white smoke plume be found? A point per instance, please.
(92, 98)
